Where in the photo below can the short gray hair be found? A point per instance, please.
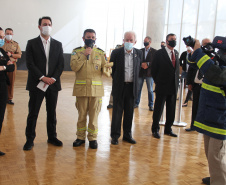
(132, 32)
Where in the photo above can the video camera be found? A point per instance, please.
(218, 43)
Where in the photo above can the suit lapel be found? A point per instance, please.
(41, 44)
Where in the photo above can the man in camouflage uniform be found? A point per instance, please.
(88, 64)
(13, 51)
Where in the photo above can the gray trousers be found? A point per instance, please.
(215, 150)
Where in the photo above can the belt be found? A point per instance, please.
(128, 82)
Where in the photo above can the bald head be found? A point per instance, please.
(205, 41)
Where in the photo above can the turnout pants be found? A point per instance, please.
(88, 106)
(215, 150)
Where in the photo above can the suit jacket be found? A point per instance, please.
(166, 77)
(36, 63)
(149, 59)
(118, 71)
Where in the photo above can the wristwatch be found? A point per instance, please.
(4, 67)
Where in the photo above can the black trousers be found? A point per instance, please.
(3, 100)
(170, 111)
(196, 92)
(35, 102)
(123, 104)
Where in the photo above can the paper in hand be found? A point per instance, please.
(41, 86)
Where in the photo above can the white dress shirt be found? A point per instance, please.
(146, 52)
(170, 53)
(46, 45)
(128, 66)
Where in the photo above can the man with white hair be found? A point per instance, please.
(125, 73)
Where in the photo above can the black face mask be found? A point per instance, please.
(172, 43)
(146, 44)
(162, 46)
(89, 42)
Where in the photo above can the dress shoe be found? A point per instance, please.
(135, 106)
(129, 140)
(2, 153)
(109, 106)
(10, 102)
(170, 134)
(156, 135)
(151, 108)
(189, 129)
(28, 145)
(78, 142)
(93, 144)
(206, 180)
(55, 141)
(114, 141)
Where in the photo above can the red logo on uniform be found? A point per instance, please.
(219, 42)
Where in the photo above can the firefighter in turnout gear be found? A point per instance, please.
(88, 63)
(211, 115)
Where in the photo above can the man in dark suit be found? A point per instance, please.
(125, 73)
(45, 63)
(165, 72)
(145, 73)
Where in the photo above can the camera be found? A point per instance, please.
(189, 41)
(219, 43)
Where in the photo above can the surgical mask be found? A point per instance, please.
(146, 44)
(172, 43)
(128, 46)
(46, 30)
(89, 42)
(9, 37)
(2, 42)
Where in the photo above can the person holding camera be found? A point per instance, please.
(211, 115)
(88, 64)
(5, 66)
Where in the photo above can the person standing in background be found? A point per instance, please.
(13, 51)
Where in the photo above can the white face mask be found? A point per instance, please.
(46, 30)
(8, 37)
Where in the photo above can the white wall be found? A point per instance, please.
(109, 18)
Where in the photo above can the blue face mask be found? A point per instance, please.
(128, 46)
(2, 42)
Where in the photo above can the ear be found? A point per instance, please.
(134, 42)
(83, 39)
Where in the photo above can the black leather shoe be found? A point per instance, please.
(109, 106)
(129, 140)
(2, 153)
(206, 180)
(55, 141)
(170, 134)
(151, 108)
(28, 145)
(156, 135)
(10, 102)
(78, 142)
(93, 144)
(114, 141)
(189, 129)
(135, 106)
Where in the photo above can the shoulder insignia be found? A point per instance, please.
(77, 48)
(15, 41)
(99, 50)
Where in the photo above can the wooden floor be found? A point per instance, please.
(168, 161)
